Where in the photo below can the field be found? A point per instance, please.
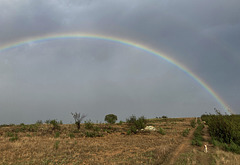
(108, 144)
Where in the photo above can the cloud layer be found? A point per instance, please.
(52, 79)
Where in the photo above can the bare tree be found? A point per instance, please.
(78, 118)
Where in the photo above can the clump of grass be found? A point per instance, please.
(88, 124)
(71, 135)
(186, 132)
(232, 147)
(198, 120)
(93, 134)
(56, 144)
(57, 134)
(13, 138)
(197, 140)
(9, 134)
(120, 122)
(161, 131)
(193, 123)
(55, 124)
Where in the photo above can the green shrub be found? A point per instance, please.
(224, 128)
(161, 131)
(120, 122)
(133, 129)
(139, 123)
(93, 134)
(110, 118)
(88, 124)
(48, 121)
(185, 132)
(13, 138)
(196, 142)
(131, 120)
(9, 134)
(96, 129)
(57, 134)
(193, 123)
(198, 120)
(39, 122)
(55, 124)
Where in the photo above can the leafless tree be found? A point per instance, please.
(78, 118)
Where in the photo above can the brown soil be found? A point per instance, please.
(183, 147)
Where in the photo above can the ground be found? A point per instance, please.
(115, 145)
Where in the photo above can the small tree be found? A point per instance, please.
(78, 118)
(111, 118)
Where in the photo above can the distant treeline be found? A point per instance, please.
(223, 128)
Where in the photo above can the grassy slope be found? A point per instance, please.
(42, 145)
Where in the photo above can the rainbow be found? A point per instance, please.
(124, 42)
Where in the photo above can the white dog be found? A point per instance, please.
(205, 148)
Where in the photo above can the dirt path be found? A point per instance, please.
(183, 147)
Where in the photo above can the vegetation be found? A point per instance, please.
(139, 123)
(78, 118)
(88, 124)
(161, 131)
(56, 144)
(197, 140)
(186, 132)
(224, 129)
(193, 123)
(116, 148)
(110, 118)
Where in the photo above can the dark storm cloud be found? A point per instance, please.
(203, 35)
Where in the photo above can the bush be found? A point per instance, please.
(110, 118)
(164, 117)
(9, 134)
(93, 134)
(139, 123)
(131, 120)
(39, 122)
(120, 122)
(224, 128)
(48, 121)
(161, 131)
(13, 136)
(193, 123)
(55, 124)
(57, 134)
(88, 124)
(198, 121)
(186, 132)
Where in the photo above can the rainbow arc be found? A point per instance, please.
(144, 48)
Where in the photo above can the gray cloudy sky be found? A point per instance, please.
(49, 80)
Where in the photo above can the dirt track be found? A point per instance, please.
(183, 147)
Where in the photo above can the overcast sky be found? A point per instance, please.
(51, 79)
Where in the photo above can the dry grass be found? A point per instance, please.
(41, 146)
